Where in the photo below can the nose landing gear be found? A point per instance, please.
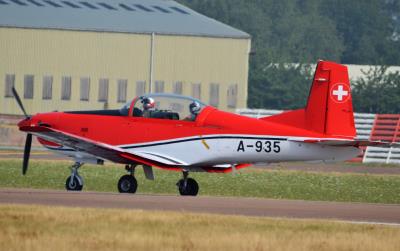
(187, 186)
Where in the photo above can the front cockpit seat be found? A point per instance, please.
(137, 112)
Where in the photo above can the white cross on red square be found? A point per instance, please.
(340, 92)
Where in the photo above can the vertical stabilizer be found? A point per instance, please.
(329, 107)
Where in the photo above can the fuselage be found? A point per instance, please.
(214, 138)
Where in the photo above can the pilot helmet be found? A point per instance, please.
(194, 107)
(148, 103)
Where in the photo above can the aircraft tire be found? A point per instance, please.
(75, 186)
(192, 187)
(127, 184)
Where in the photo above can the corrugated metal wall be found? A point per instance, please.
(114, 56)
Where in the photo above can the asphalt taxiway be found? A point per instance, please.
(355, 212)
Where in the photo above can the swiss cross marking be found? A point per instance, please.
(339, 93)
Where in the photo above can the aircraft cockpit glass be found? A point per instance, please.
(166, 106)
(125, 109)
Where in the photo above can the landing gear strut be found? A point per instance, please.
(75, 181)
(187, 186)
(128, 183)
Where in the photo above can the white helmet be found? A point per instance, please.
(194, 107)
(148, 103)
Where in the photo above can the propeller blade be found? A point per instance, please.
(19, 101)
(27, 152)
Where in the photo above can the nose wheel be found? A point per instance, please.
(187, 186)
(74, 182)
(128, 183)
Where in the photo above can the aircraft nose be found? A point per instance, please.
(25, 123)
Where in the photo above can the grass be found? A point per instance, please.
(60, 228)
(247, 183)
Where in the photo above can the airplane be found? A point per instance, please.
(180, 133)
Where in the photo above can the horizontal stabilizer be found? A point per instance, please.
(355, 143)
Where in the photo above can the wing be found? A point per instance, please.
(99, 149)
(355, 143)
(120, 155)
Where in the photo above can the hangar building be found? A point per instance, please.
(95, 54)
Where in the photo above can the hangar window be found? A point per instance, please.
(35, 3)
(71, 4)
(85, 88)
(177, 88)
(91, 6)
(10, 82)
(28, 86)
(107, 6)
(139, 6)
(19, 2)
(161, 9)
(159, 87)
(196, 90)
(2, 2)
(140, 88)
(52, 3)
(122, 87)
(214, 94)
(103, 90)
(126, 7)
(47, 90)
(179, 10)
(65, 88)
(232, 95)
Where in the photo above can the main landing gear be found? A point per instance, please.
(128, 183)
(187, 186)
(75, 181)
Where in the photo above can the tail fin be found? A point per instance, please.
(329, 107)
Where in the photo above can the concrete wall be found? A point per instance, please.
(116, 56)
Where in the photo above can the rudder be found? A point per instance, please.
(329, 107)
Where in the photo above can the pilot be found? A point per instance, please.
(194, 109)
(148, 106)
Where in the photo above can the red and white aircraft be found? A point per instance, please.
(208, 140)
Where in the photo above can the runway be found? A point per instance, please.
(356, 212)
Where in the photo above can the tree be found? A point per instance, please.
(367, 28)
(287, 31)
(378, 92)
(291, 92)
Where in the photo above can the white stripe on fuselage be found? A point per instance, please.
(233, 149)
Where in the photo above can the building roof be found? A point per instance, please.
(127, 16)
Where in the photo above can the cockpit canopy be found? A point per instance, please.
(166, 106)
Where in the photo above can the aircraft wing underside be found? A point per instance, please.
(101, 150)
(117, 154)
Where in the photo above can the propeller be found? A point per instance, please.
(27, 151)
(19, 101)
(28, 141)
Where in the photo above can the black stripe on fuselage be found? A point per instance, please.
(201, 138)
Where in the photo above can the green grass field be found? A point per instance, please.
(246, 183)
(60, 228)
